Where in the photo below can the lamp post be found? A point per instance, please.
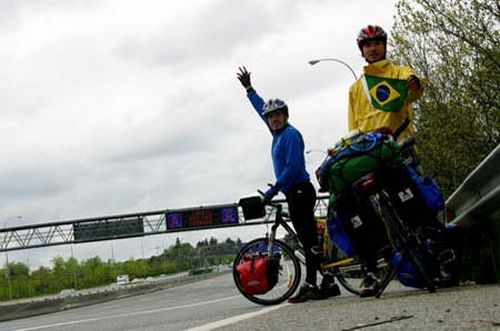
(112, 251)
(8, 275)
(74, 267)
(313, 62)
(9, 283)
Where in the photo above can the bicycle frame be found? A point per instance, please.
(280, 220)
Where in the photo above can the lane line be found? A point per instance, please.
(128, 314)
(235, 319)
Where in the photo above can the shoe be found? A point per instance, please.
(306, 292)
(328, 290)
(370, 285)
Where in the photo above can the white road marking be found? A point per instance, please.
(235, 319)
(127, 314)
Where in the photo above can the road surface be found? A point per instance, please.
(215, 304)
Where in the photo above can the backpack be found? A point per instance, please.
(259, 274)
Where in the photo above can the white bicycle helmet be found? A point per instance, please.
(274, 105)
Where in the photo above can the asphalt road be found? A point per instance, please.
(215, 304)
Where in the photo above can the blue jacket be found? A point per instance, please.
(287, 151)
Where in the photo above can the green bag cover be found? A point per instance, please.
(346, 171)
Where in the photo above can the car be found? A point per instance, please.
(122, 280)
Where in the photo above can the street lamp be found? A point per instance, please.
(8, 275)
(313, 62)
(74, 267)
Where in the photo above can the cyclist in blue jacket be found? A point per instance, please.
(293, 180)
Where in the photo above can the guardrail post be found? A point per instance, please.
(495, 247)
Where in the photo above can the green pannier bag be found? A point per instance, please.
(359, 159)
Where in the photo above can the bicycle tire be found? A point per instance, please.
(350, 274)
(406, 238)
(289, 271)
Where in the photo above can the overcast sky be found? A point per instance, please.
(118, 106)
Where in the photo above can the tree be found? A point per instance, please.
(42, 280)
(59, 274)
(454, 44)
(90, 274)
(19, 274)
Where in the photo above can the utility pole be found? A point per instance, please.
(6, 241)
(9, 284)
(74, 266)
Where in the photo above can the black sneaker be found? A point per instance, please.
(306, 292)
(328, 290)
(370, 285)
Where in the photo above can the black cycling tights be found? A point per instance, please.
(301, 200)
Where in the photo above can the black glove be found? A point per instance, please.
(271, 192)
(244, 78)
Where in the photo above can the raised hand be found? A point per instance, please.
(244, 77)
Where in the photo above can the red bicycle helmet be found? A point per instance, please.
(369, 33)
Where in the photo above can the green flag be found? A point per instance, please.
(386, 94)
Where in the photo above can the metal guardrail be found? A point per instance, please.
(478, 197)
(476, 204)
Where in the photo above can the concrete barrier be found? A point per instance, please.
(49, 304)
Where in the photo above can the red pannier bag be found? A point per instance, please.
(258, 274)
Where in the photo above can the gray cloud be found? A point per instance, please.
(29, 183)
(213, 33)
(9, 15)
(111, 107)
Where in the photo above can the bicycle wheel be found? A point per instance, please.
(288, 271)
(406, 239)
(349, 271)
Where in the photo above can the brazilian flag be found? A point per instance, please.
(386, 94)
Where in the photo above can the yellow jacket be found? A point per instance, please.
(364, 117)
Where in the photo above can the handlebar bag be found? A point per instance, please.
(252, 207)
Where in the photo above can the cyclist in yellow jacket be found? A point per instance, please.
(382, 83)
(362, 115)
